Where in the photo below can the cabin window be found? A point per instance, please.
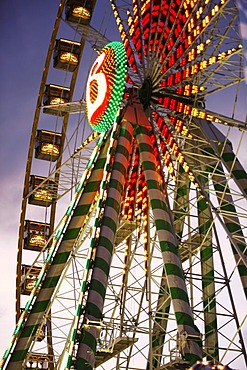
(53, 96)
(66, 55)
(37, 361)
(29, 278)
(47, 145)
(43, 191)
(36, 235)
(79, 11)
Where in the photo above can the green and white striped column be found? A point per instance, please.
(180, 206)
(164, 301)
(207, 267)
(192, 347)
(58, 263)
(221, 146)
(229, 214)
(91, 249)
(160, 323)
(233, 165)
(99, 280)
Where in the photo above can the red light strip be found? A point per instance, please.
(177, 106)
(165, 29)
(184, 36)
(135, 30)
(187, 37)
(184, 74)
(166, 155)
(124, 37)
(157, 35)
(129, 200)
(170, 140)
(180, 126)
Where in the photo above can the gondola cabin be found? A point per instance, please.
(42, 194)
(29, 278)
(47, 145)
(37, 361)
(40, 333)
(53, 96)
(79, 11)
(66, 55)
(36, 235)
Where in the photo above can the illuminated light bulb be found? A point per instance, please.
(186, 167)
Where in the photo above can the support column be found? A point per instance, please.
(207, 268)
(78, 214)
(191, 346)
(99, 281)
(232, 222)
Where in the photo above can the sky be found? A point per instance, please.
(25, 34)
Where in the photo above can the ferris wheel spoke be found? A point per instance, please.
(206, 69)
(135, 31)
(125, 39)
(190, 34)
(228, 157)
(95, 38)
(221, 119)
(183, 107)
(232, 222)
(227, 209)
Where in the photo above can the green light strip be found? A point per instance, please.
(208, 272)
(118, 86)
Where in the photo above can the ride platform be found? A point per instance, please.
(118, 346)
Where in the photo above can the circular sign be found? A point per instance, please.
(105, 86)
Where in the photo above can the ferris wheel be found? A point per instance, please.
(132, 242)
